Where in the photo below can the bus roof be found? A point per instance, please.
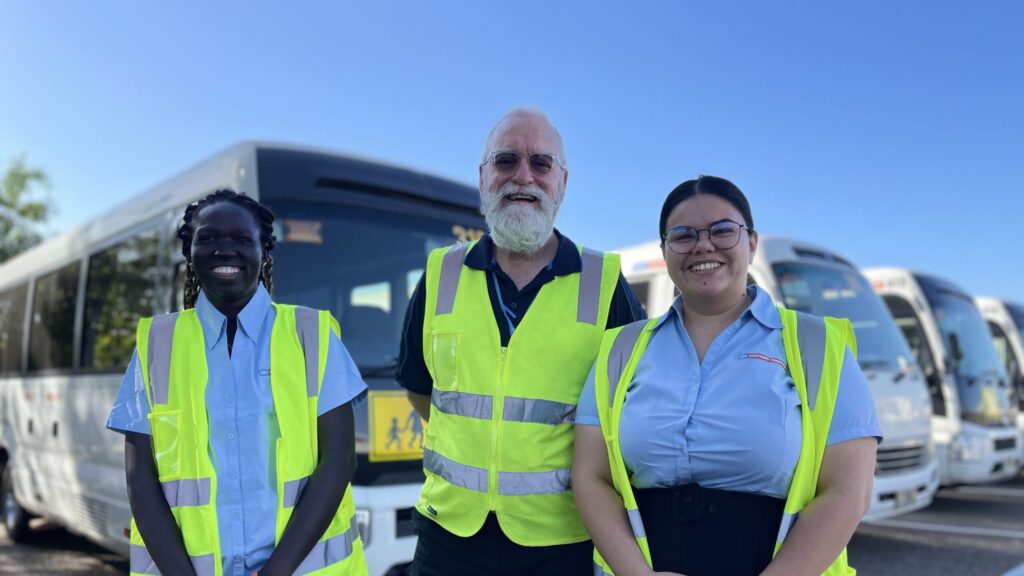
(235, 166)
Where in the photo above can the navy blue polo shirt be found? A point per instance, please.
(412, 369)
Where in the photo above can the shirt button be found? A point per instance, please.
(231, 436)
(233, 476)
(237, 516)
(514, 305)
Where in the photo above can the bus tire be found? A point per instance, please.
(15, 518)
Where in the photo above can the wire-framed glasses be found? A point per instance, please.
(506, 161)
(723, 235)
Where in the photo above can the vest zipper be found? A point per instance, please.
(499, 396)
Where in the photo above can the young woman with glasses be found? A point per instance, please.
(697, 444)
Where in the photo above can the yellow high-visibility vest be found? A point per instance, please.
(501, 419)
(815, 349)
(172, 357)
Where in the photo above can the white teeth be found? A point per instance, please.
(706, 266)
(225, 270)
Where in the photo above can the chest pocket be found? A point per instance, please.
(445, 353)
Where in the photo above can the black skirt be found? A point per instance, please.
(705, 532)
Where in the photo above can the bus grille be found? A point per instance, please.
(898, 459)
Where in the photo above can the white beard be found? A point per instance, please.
(519, 228)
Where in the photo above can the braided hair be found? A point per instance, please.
(264, 219)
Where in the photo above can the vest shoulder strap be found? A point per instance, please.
(620, 354)
(451, 271)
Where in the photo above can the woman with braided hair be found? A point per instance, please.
(237, 415)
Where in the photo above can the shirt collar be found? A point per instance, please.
(566, 261)
(761, 308)
(250, 319)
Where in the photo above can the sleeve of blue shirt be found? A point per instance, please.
(586, 409)
(342, 381)
(131, 408)
(854, 415)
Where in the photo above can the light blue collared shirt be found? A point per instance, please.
(243, 423)
(731, 422)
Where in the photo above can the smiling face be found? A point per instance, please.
(226, 254)
(520, 204)
(709, 274)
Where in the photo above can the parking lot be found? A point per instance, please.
(967, 531)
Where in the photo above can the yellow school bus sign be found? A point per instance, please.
(396, 431)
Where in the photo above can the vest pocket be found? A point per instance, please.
(166, 443)
(445, 347)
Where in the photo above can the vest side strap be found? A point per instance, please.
(451, 270)
(188, 492)
(292, 490)
(330, 551)
(532, 483)
(536, 411)
(161, 336)
(465, 404)
(468, 477)
(589, 302)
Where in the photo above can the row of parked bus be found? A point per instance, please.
(945, 368)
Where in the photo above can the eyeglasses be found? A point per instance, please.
(723, 235)
(507, 162)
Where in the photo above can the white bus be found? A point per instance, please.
(973, 424)
(806, 277)
(353, 236)
(1006, 322)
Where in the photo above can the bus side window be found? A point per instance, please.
(119, 290)
(910, 325)
(52, 336)
(12, 328)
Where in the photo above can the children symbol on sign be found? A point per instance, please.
(413, 425)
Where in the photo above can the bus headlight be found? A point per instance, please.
(968, 447)
(363, 526)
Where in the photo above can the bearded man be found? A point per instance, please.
(499, 337)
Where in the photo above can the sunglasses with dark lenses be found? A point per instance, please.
(507, 162)
(723, 235)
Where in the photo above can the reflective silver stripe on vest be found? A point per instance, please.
(591, 264)
(598, 571)
(463, 404)
(142, 563)
(292, 490)
(187, 492)
(331, 551)
(810, 335)
(537, 411)
(618, 356)
(785, 526)
(531, 483)
(161, 335)
(469, 477)
(307, 324)
(636, 523)
(451, 269)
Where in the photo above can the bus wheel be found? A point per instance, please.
(15, 517)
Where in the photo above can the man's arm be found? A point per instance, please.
(152, 514)
(322, 495)
(412, 368)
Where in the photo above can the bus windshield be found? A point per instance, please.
(1017, 313)
(828, 291)
(362, 264)
(979, 373)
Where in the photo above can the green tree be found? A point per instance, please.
(22, 212)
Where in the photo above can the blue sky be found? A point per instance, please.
(892, 132)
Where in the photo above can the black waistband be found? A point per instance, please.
(697, 531)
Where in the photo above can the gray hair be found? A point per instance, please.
(525, 111)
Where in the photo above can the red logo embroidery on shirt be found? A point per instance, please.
(765, 357)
